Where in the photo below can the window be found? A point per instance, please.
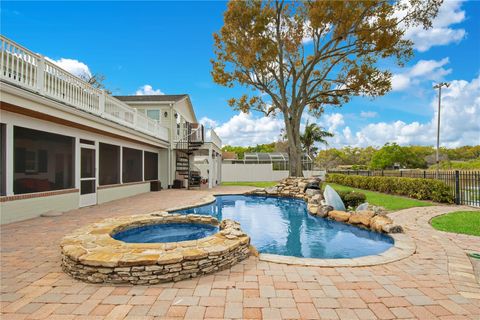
(154, 114)
(42, 161)
(151, 165)
(109, 164)
(132, 165)
(3, 169)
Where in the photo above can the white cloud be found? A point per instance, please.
(368, 114)
(73, 66)
(332, 121)
(207, 122)
(431, 70)
(442, 33)
(246, 130)
(400, 82)
(147, 90)
(460, 122)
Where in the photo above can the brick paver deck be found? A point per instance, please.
(437, 282)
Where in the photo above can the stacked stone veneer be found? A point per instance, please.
(374, 219)
(91, 254)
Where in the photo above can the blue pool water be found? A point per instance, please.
(170, 232)
(283, 226)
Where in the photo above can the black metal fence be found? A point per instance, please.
(465, 184)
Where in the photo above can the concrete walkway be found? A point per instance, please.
(437, 282)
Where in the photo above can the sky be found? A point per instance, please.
(166, 47)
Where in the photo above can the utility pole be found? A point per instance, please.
(437, 157)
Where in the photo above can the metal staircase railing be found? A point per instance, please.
(192, 141)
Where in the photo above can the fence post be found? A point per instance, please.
(457, 187)
(424, 174)
(401, 173)
(382, 172)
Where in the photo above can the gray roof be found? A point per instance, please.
(153, 98)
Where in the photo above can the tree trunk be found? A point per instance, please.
(292, 125)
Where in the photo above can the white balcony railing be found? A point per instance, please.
(31, 71)
(211, 136)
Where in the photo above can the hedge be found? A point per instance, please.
(352, 198)
(421, 189)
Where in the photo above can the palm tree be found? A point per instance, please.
(313, 133)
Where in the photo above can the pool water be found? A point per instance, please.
(169, 232)
(283, 226)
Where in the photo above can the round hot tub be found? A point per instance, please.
(169, 232)
(153, 248)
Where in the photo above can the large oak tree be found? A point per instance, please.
(297, 56)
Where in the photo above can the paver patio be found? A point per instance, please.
(437, 282)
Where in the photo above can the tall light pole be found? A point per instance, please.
(437, 157)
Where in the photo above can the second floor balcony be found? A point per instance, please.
(23, 68)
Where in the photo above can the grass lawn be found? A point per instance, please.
(387, 201)
(258, 184)
(466, 222)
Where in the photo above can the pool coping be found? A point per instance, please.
(403, 247)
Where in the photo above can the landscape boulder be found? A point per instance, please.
(315, 199)
(312, 192)
(377, 223)
(323, 210)
(392, 228)
(361, 217)
(271, 190)
(312, 208)
(337, 215)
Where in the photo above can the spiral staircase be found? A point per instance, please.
(191, 141)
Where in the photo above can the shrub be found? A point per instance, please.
(352, 198)
(421, 189)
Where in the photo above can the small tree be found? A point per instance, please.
(304, 55)
(312, 134)
(96, 80)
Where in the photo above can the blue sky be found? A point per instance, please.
(165, 47)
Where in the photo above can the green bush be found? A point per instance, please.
(421, 189)
(352, 198)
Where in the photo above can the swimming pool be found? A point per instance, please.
(283, 226)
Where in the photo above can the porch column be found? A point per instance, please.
(121, 164)
(97, 165)
(219, 168)
(143, 165)
(77, 163)
(9, 149)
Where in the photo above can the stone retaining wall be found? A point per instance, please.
(92, 255)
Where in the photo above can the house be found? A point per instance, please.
(188, 137)
(66, 144)
(229, 156)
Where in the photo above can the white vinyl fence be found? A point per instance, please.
(258, 172)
